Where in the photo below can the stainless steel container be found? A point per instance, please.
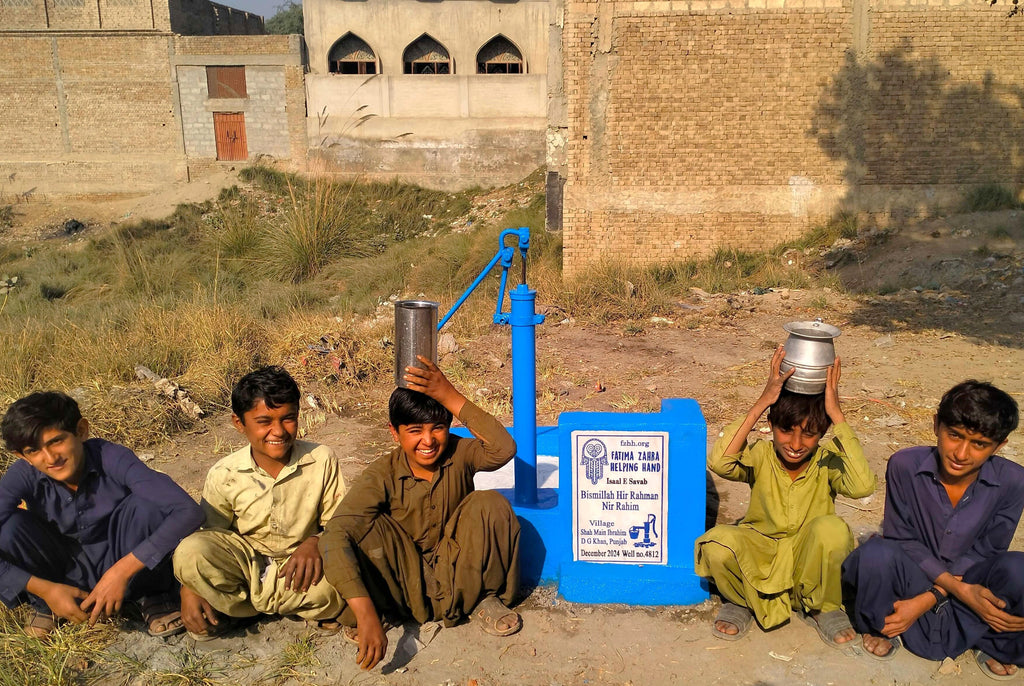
(810, 349)
(415, 334)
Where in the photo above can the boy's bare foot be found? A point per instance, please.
(834, 627)
(993, 668)
(733, 622)
(879, 646)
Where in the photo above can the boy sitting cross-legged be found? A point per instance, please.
(412, 539)
(265, 507)
(940, 578)
(97, 526)
(789, 546)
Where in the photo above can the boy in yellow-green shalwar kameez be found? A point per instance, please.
(789, 548)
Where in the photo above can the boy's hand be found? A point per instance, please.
(373, 641)
(905, 613)
(64, 601)
(776, 380)
(990, 608)
(432, 381)
(304, 568)
(832, 408)
(106, 597)
(196, 613)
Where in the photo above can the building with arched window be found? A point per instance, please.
(426, 56)
(351, 55)
(499, 56)
(452, 93)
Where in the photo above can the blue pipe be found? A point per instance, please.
(524, 322)
(524, 392)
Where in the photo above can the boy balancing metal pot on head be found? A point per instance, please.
(788, 548)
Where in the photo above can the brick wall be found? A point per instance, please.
(693, 125)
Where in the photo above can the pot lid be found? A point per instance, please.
(813, 329)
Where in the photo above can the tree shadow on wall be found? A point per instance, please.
(904, 129)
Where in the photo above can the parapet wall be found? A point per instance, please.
(740, 123)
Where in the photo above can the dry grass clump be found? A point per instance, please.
(60, 659)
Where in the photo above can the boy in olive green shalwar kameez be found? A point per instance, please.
(790, 546)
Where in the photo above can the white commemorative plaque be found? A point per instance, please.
(620, 483)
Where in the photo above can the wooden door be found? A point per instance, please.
(229, 129)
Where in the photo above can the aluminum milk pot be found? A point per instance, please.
(811, 350)
(415, 334)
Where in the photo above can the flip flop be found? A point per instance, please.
(737, 615)
(896, 644)
(829, 624)
(982, 658)
(490, 611)
(161, 611)
(351, 633)
(40, 624)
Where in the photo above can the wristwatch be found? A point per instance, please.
(940, 599)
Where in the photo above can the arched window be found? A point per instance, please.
(426, 56)
(499, 56)
(351, 55)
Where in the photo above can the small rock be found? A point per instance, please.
(145, 457)
(447, 345)
(892, 420)
(483, 392)
(661, 320)
(73, 226)
(885, 341)
(948, 666)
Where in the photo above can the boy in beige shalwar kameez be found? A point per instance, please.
(790, 546)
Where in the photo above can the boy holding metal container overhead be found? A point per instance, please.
(412, 539)
(788, 549)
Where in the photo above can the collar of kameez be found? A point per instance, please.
(929, 464)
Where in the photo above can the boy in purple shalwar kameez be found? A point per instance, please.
(940, 579)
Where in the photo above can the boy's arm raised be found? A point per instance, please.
(854, 477)
(496, 446)
(724, 458)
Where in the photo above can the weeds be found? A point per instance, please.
(989, 198)
(57, 660)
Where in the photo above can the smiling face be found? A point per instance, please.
(423, 445)
(962, 452)
(271, 431)
(795, 446)
(60, 454)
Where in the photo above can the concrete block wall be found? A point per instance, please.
(196, 120)
(697, 124)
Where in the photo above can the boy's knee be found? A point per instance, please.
(19, 523)
(192, 549)
(877, 554)
(831, 533)
(716, 556)
(1007, 574)
(491, 502)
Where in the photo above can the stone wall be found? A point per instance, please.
(694, 125)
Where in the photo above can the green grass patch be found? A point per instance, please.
(989, 198)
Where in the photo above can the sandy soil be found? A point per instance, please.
(953, 311)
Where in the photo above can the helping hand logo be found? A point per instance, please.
(595, 457)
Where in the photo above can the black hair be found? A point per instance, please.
(797, 409)
(27, 418)
(981, 407)
(412, 407)
(273, 385)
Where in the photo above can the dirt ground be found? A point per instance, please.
(952, 309)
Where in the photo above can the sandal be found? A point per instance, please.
(162, 615)
(829, 625)
(325, 627)
(982, 658)
(896, 644)
(351, 633)
(737, 615)
(490, 611)
(40, 624)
